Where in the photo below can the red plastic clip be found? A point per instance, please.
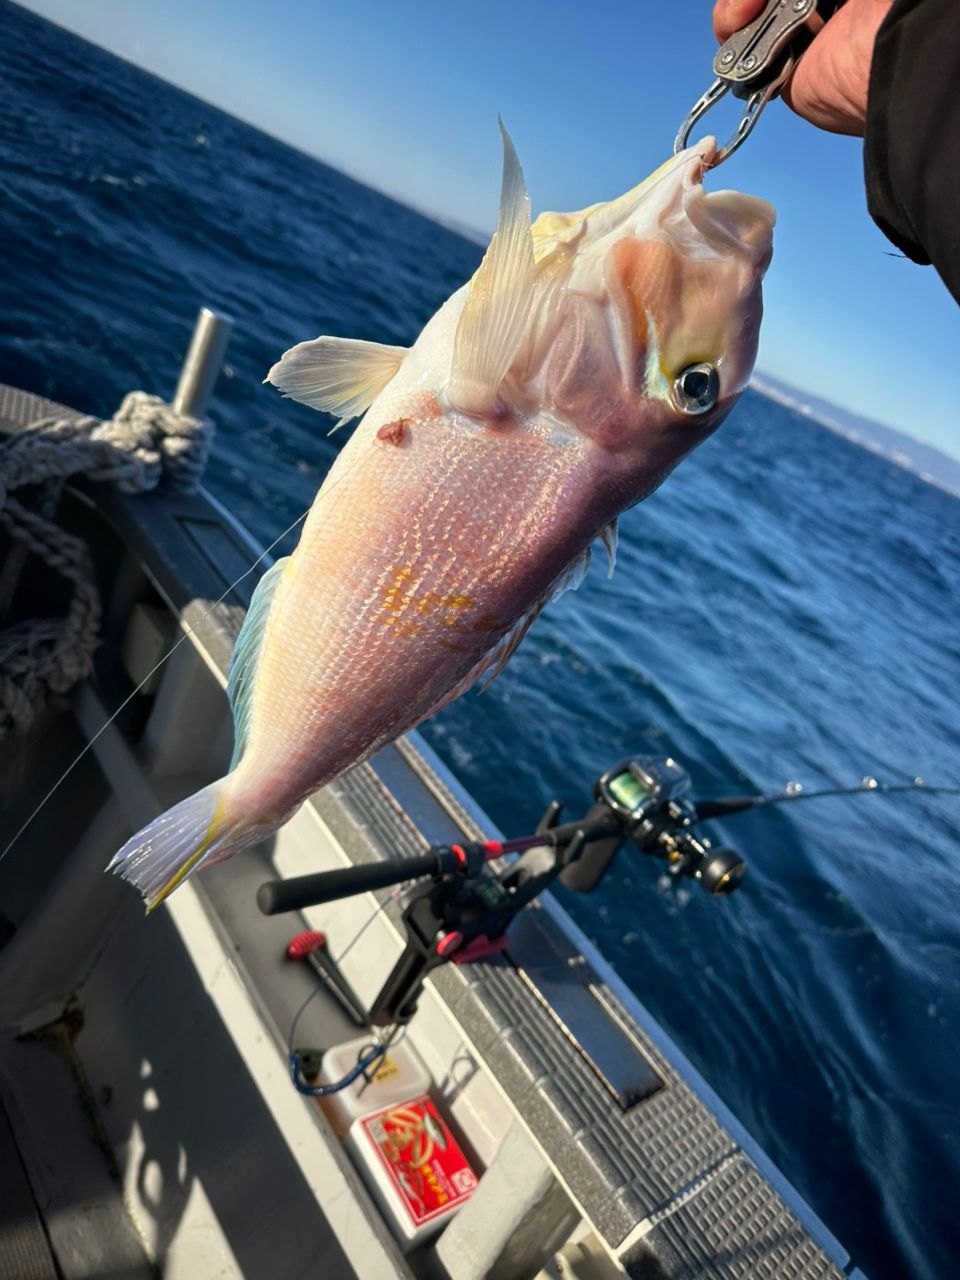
(301, 946)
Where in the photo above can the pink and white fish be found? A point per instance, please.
(589, 353)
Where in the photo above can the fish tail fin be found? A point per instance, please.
(193, 833)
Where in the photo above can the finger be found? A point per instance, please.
(732, 15)
(830, 85)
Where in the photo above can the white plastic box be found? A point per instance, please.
(398, 1139)
(400, 1076)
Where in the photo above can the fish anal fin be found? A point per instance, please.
(610, 536)
(246, 655)
(497, 310)
(340, 376)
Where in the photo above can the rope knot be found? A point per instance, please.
(145, 444)
(158, 443)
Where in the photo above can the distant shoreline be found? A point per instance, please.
(925, 461)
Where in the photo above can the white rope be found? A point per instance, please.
(144, 446)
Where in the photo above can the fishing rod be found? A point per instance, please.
(472, 893)
(724, 805)
(463, 912)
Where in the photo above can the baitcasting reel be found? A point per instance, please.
(650, 798)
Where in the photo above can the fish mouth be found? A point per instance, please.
(738, 221)
(730, 222)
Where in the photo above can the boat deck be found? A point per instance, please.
(185, 1015)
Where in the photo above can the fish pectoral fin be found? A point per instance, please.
(496, 313)
(246, 655)
(340, 376)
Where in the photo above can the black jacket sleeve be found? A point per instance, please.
(912, 139)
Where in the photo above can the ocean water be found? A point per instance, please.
(784, 608)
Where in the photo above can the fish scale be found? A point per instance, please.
(401, 670)
(588, 355)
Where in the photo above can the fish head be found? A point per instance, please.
(631, 325)
(648, 316)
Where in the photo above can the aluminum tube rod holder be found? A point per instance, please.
(202, 363)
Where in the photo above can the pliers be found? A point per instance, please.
(756, 62)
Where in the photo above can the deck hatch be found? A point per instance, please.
(573, 995)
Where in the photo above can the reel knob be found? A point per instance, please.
(721, 871)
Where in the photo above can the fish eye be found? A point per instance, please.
(697, 388)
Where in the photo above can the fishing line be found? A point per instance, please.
(187, 633)
(322, 495)
(370, 1060)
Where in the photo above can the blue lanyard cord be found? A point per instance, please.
(370, 1059)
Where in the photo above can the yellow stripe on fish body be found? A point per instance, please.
(216, 826)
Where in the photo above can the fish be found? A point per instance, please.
(587, 356)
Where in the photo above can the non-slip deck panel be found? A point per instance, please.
(664, 1182)
(731, 1225)
(20, 408)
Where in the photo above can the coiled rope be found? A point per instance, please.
(145, 444)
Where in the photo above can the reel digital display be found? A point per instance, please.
(629, 792)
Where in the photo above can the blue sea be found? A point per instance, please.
(784, 608)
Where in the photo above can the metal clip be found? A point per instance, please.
(756, 62)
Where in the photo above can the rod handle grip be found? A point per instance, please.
(276, 896)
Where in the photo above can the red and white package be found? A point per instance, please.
(414, 1166)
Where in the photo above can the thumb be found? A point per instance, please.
(732, 15)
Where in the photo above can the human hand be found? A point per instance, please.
(829, 86)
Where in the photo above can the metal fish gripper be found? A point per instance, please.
(755, 64)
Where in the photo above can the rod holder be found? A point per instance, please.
(202, 363)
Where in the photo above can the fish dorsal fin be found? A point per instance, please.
(494, 661)
(341, 376)
(496, 312)
(246, 655)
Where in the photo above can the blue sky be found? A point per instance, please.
(405, 97)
